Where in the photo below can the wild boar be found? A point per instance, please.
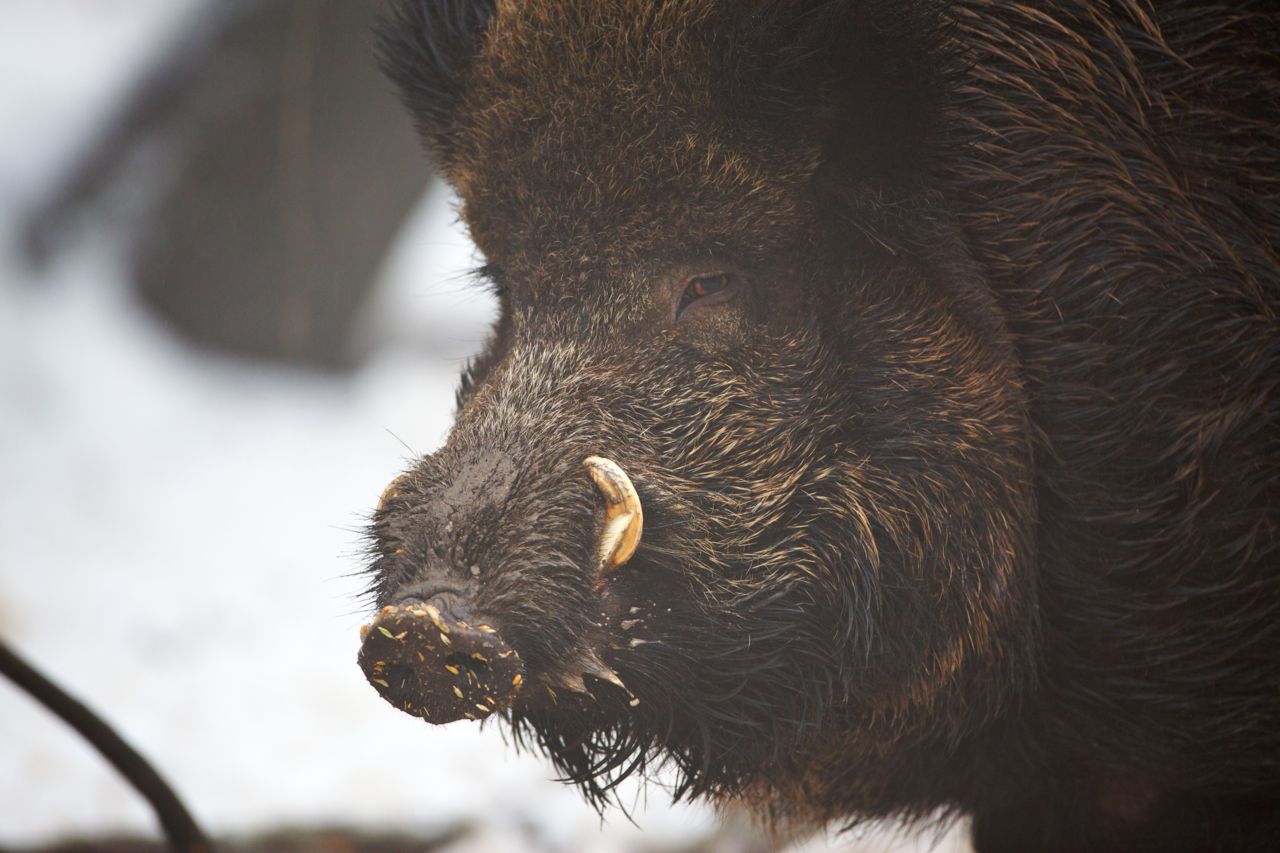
(882, 414)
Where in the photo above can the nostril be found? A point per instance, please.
(467, 663)
(399, 678)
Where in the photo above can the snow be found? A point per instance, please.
(179, 532)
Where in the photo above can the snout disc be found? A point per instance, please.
(436, 668)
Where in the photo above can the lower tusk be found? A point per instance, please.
(623, 517)
(393, 490)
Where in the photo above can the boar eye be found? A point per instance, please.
(699, 287)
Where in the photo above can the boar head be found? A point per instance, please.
(724, 272)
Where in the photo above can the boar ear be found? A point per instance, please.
(863, 80)
(426, 47)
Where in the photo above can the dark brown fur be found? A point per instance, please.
(970, 501)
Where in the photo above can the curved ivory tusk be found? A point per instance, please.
(623, 517)
(392, 491)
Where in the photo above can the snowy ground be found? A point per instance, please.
(179, 533)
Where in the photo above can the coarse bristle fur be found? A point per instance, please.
(964, 496)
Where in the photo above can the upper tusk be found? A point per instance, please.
(623, 517)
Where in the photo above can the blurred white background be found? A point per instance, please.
(180, 531)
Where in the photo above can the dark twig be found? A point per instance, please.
(179, 827)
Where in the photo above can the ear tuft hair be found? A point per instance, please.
(426, 48)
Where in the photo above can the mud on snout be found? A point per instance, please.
(430, 655)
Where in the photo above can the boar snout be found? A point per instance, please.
(428, 651)
(429, 661)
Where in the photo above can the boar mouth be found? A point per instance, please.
(428, 657)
